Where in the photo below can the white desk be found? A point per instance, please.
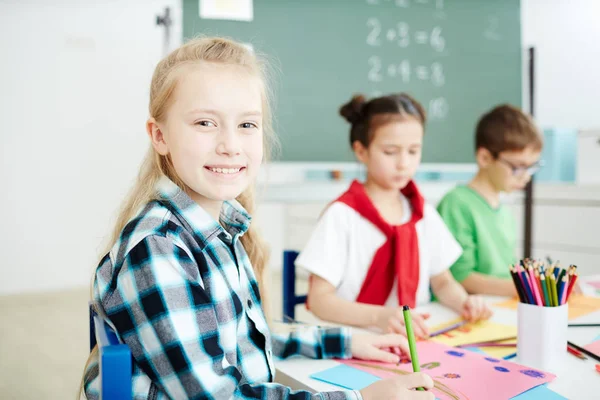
(577, 380)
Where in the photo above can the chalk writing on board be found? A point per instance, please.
(403, 70)
(437, 74)
(374, 30)
(374, 69)
(437, 41)
(438, 108)
(393, 59)
(401, 35)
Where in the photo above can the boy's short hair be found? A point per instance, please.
(506, 128)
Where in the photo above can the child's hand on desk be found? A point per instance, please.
(392, 320)
(379, 347)
(400, 388)
(475, 309)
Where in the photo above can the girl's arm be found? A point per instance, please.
(324, 302)
(170, 324)
(453, 295)
(477, 283)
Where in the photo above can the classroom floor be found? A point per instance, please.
(44, 341)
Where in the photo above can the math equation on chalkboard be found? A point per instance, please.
(391, 60)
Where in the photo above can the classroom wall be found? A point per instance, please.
(565, 35)
(74, 78)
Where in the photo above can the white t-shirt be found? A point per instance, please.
(342, 247)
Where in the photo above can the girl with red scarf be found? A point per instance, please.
(380, 245)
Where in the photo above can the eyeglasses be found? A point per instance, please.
(519, 171)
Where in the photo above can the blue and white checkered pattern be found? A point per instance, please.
(179, 290)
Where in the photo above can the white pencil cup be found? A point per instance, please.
(542, 336)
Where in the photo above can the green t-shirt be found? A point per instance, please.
(487, 235)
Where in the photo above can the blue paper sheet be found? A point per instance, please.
(539, 393)
(346, 377)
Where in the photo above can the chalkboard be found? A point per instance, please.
(458, 57)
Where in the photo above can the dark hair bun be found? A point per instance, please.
(353, 110)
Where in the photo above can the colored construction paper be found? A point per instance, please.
(539, 393)
(593, 347)
(346, 377)
(459, 374)
(483, 331)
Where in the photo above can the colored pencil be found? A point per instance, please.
(545, 290)
(549, 288)
(489, 345)
(554, 290)
(571, 284)
(411, 340)
(584, 351)
(449, 328)
(560, 289)
(584, 325)
(540, 289)
(534, 286)
(563, 298)
(504, 339)
(576, 353)
(530, 299)
(517, 283)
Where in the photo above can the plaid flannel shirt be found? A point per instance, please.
(179, 290)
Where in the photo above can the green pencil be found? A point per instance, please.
(545, 290)
(550, 293)
(411, 340)
(554, 291)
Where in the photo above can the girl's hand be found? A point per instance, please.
(400, 388)
(378, 347)
(392, 320)
(475, 309)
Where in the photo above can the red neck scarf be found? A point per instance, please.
(398, 258)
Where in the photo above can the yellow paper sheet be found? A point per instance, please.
(499, 352)
(482, 331)
(579, 305)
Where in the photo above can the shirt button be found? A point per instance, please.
(249, 303)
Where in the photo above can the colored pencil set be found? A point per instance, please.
(542, 284)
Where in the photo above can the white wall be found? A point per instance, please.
(74, 79)
(566, 37)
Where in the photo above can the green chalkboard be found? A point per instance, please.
(458, 57)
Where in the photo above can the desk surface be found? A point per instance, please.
(578, 379)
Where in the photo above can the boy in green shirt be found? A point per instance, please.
(507, 148)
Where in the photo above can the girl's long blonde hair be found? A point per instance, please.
(164, 81)
(154, 166)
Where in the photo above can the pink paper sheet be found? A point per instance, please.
(462, 375)
(594, 347)
(594, 284)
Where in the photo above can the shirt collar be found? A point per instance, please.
(234, 219)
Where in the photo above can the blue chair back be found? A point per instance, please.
(114, 360)
(290, 299)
